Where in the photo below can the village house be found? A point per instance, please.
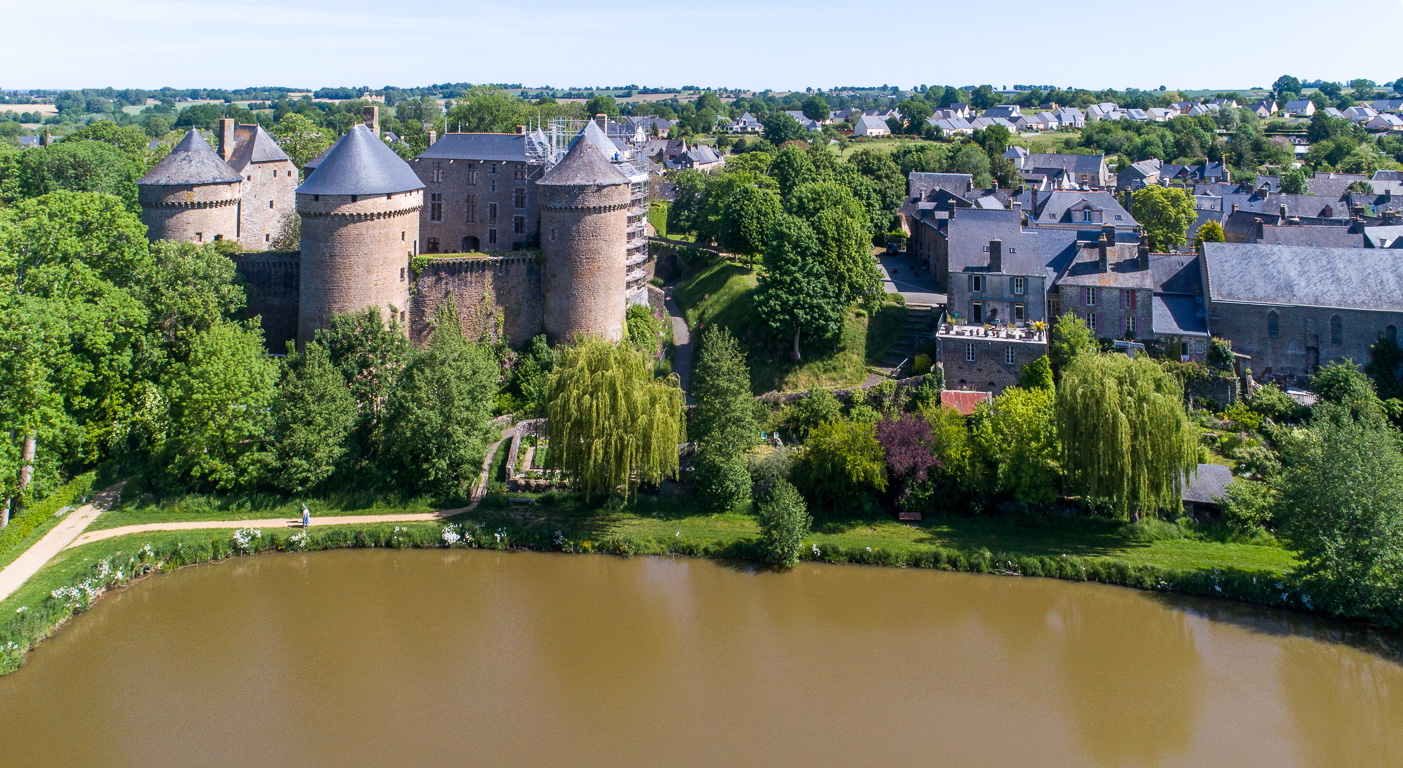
(870, 125)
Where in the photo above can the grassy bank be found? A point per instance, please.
(723, 293)
(30, 524)
(1077, 549)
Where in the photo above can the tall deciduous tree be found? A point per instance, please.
(1342, 509)
(436, 420)
(1125, 436)
(79, 166)
(1070, 338)
(611, 424)
(371, 355)
(313, 415)
(1166, 213)
(779, 127)
(794, 295)
(723, 421)
(1018, 436)
(842, 463)
(746, 220)
(301, 138)
(220, 411)
(1210, 232)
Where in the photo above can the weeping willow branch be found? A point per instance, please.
(1125, 436)
(609, 422)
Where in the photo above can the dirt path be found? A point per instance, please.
(56, 540)
(681, 345)
(69, 533)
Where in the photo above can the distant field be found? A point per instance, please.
(43, 109)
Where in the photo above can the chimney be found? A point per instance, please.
(1284, 214)
(996, 255)
(371, 117)
(602, 120)
(433, 136)
(1260, 227)
(1234, 207)
(226, 138)
(1108, 231)
(1142, 252)
(1129, 201)
(953, 208)
(521, 129)
(1358, 211)
(1018, 209)
(1103, 258)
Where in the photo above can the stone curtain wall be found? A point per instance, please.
(259, 223)
(458, 180)
(197, 214)
(486, 291)
(271, 281)
(355, 254)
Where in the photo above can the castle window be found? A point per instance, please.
(437, 174)
(199, 237)
(433, 244)
(521, 170)
(472, 176)
(492, 236)
(435, 206)
(275, 174)
(552, 233)
(1273, 325)
(519, 225)
(494, 168)
(472, 209)
(519, 198)
(491, 212)
(401, 237)
(267, 238)
(1337, 330)
(969, 352)
(494, 185)
(401, 274)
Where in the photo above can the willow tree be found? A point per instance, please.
(609, 422)
(1125, 436)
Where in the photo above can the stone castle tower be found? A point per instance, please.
(360, 228)
(190, 195)
(584, 203)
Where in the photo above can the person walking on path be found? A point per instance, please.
(306, 517)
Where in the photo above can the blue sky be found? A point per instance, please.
(779, 44)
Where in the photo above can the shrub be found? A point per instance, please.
(1248, 506)
(38, 513)
(842, 463)
(1271, 402)
(784, 521)
(1243, 418)
(817, 407)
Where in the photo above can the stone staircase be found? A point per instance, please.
(920, 327)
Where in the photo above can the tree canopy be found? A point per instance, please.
(1166, 213)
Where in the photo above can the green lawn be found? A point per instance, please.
(724, 293)
(881, 145)
(258, 507)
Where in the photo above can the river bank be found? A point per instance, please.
(1249, 573)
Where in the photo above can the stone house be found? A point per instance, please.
(269, 188)
(1109, 284)
(1064, 209)
(1089, 171)
(986, 360)
(1179, 320)
(480, 192)
(1291, 309)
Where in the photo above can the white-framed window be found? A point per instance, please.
(1130, 325)
(1008, 355)
(1086, 215)
(969, 352)
(1091, 321)
(1089, 296)
(1020, 286)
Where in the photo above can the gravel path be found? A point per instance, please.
(53, 542)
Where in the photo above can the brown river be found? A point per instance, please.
(427, 658)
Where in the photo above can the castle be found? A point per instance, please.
(362, 209)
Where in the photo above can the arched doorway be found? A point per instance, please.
(471, 244)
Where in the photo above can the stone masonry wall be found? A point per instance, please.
(265, 183)
(355, 254)
(1303, 336)
(196, 214)
(989, 371)
(271, 281)
(583, 237)
(1110, 310)
(488, 293)
(486, 183)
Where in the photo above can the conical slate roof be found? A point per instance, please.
(360, 164)
(583, 165)
(191, 162)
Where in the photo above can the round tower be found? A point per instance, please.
(190, 195)
(584, 203)
(360, 228)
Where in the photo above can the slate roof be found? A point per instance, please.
(1384, 237)
(971, 230)
(1123, 268)
(584, 165)
(1312, 236)
(921, 183)
(498, 147)
(1209, 485)
(1345, 278)
(871, 123)
(1175, 315)
(1388, 176)
(1176, 273)
(1056, 207)
(1070, 163)
(192, 162)
(252, 144)
(360, 164)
